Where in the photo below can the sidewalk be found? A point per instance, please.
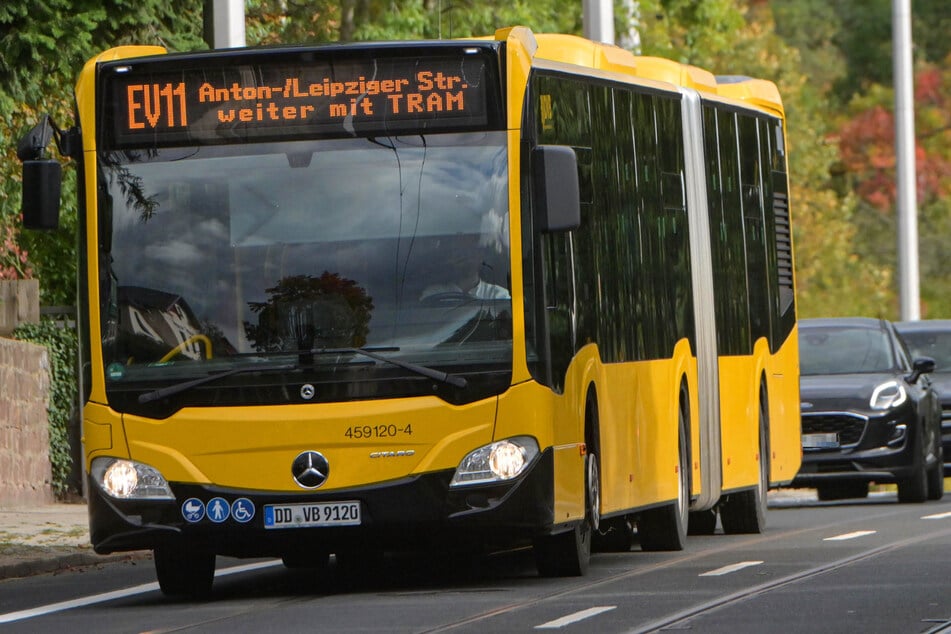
(47, 538)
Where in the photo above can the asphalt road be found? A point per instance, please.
(862, 566)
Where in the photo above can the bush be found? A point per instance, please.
(63, 346)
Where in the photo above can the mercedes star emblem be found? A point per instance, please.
(310, 469)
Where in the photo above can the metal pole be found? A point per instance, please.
(598, 19)
(224, 23)
(906, 195)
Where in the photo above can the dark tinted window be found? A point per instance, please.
(628, 263)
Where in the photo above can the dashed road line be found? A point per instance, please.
(725, 570)
(575, 617)
(937, 516)
(852, 535)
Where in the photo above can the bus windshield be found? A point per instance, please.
(223, 255)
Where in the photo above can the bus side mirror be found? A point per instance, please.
(42, 180)
(42, 177)
(555, 186)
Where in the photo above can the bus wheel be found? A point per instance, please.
(183, 571)
(745, 512)
(568, 554)
(665, 527)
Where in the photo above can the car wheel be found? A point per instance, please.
(936, 476)
(914, 488)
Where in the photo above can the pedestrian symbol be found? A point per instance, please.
(218, 510)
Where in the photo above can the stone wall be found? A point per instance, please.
(25, 472)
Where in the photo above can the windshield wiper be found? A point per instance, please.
(155, 395)
(445, 377)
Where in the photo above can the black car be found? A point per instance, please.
(932, 338)
(869, 412)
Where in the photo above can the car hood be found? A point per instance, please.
(840, 392)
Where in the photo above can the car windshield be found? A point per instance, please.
(220, 256)
(844, 350)
(930, 343)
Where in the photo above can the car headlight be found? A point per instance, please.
(497, 462)
(887, 395)
(130, 480)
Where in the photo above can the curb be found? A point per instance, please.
(58, 563)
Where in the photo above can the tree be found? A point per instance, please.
(866, 139)
(43, 46)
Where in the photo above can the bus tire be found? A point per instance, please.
(568, 554)
(745, 512)
(183, 571)
(665, 527)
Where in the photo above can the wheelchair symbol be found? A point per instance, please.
(242, 510)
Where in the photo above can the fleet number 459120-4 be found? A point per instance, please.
(358, 432)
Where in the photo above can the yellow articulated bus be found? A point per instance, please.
(354, 299)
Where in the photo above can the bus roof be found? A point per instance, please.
(578, 51)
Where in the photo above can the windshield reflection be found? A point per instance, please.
(227, 255)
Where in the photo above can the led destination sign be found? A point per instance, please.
(150, 103)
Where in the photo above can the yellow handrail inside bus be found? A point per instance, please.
(177, 349)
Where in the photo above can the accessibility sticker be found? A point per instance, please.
(218, 510)
(242, 510)
(193, 510)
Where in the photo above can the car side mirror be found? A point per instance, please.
(921, 365)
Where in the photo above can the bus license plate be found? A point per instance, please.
(311, 515)
(820, 441)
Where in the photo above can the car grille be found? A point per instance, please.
(848, 427)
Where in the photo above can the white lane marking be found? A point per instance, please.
(844, 536)
(43, 610)
(574, 618)
(725, 570)
(936, 516)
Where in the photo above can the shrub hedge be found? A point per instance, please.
(63, 345)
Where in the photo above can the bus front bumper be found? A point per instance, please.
(403, 514)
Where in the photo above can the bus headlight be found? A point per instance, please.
(500, 461)
(128, 480)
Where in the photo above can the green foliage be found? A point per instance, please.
(299, 21)
(831, 60)
(43, 46)
(62, 345)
